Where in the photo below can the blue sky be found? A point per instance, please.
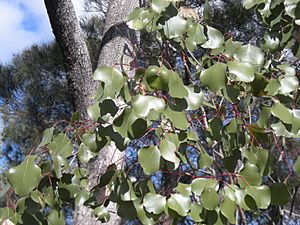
(22, 23)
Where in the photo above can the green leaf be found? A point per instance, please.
(176, 86)
(261, 195)
(60, 145)
(25, 177)
(229, 192)
(84, 154)
(126, 191)
(8, 215)
(210, 198)
(112, 78)
(288, 84)
(184, 189)
(296, 166)
(281, 112)
(194, 100)
(143, 105)
(167, 150)
(143, 216)
(195, 36)
(241, 71)
(228, 209)
(251, 54)
(89, 140)
(250, 3)
(199, 184)
(159, 6)
(270, 43)
(231, 47)
(259, 157)
(175, 27)
(123, 123)
(47, 137)
(250, 176)
(195, 212)
(179, 203)
(214, 77)
(205, 160)
(273, 87)
(280, 194)
(149, 159)
(94, 112)
(154, 203)
(81, 197)
(101, 213)
(56, 218)
(126, 210)
(49, 197)
(157, 77)
(215, 38)
(240, 198)
(178, 119)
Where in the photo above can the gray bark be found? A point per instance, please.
(78, 65)
(116, 44)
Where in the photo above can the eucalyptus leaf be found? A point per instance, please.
(25, 177)
(47, 137)
(149, 159)
(228, 209)
(112, 78)
(241, 71)
(251, 54)
(215, 38)
(214, 77)
(297, 165)
(179, 203)
(61, 145)
(154, 203)
(144, 104)
(175, 27)
(261, 195)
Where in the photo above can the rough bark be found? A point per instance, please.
(116, 44)
(78, 65)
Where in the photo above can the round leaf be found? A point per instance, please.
(280, 194)
(214, 77)
(215, 38)
(61, 145)
(250, 176)
(297, 165)
(261, 195)
(154, 203)
(210, 198)
(228, 208)
(112, 78)
(175, 27)
(179, 203)
(251, 54)
(25, 177)
(149, 159)
(144, 104)
(240, 71)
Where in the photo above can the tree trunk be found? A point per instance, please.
(114, 47)
(78, 65)
(116, 43)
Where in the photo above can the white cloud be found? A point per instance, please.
(15, 36)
